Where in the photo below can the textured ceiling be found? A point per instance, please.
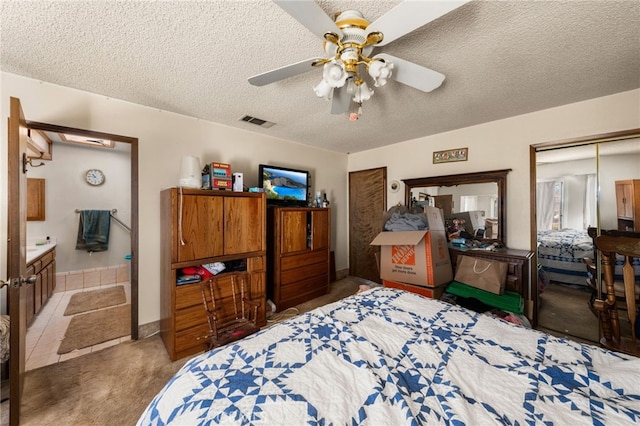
(500, 58)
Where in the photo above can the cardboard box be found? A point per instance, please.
(416, 257)
(431, 292)
(221, 184)
(434, 218)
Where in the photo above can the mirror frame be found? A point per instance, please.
(494, 176)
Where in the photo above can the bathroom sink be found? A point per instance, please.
(31, 249)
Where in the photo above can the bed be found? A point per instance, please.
(560, 254)
(386, 356)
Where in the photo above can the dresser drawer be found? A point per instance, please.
(304, 286)
(194, 336)
(299, 260)
(46, 259)
(295, 275)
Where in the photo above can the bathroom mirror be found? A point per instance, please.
(479, 199)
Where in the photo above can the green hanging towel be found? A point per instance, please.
(93, 230)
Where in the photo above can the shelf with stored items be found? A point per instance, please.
(201, 227)
(628, 204)
(298, 254)
(520, 273)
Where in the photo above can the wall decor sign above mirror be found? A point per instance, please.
(450, 155)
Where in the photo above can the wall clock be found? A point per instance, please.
(95, 177)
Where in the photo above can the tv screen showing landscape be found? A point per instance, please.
(284, 185)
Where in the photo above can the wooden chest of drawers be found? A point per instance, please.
(298, 254)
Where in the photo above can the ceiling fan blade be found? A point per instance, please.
(410, 15)
(413, 75)
(341, 100)
(283, 72)
(310, 14)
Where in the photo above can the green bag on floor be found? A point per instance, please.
(509, 301)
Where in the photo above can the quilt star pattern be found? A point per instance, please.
(389, 357)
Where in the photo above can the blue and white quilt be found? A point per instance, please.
(561, 252)
(389, 357)
(561, 255)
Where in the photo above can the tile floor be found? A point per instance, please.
(48, 328)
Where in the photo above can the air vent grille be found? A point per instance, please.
(257, 121)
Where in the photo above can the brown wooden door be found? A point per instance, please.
(244, 224)
(293, 227)
(201, 228)
(320, 229)
(16, 249)
(367, 203)
(444, 202)
(624, 198)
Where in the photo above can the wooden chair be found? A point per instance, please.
(592, 282)
(229, 323)
(592, 268)
(629, 248)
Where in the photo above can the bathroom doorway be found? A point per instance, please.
(71, 190)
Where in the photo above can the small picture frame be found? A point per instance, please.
(450, 155)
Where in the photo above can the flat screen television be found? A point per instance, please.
(284, 186)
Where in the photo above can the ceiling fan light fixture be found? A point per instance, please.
(380, 71)
(323, 90)
(349, 41)
(362, 93)
(334, 73)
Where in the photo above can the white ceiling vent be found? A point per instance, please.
(257, 121)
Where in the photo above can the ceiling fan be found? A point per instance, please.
(349, 42)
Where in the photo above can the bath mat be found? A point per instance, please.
(96, 327)
(95, 299)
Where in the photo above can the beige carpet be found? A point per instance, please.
(96, 327)
(95, 299)
(109, 387)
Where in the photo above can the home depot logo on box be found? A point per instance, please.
(415, 257)
(403, 255)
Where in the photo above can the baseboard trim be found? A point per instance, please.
(341, 274)
(149, 329)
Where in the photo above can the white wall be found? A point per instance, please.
(503, 144)
(66, 190)
(163, 139)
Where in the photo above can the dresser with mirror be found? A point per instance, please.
(480, 200)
